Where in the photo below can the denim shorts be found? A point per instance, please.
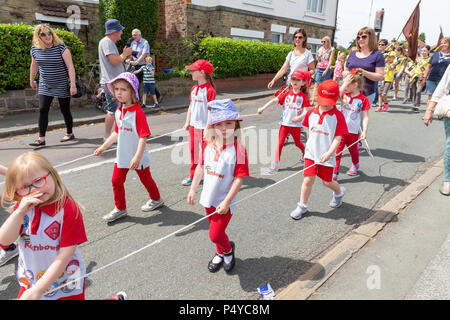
(111, 103)
(431, 86)
(150, 87)
(320, 76)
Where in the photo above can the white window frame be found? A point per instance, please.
(43, 17)
(260, 3)
(309, 6)
(237, 33)
(280, 39)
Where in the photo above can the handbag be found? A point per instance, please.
(442, 108)
(81, 88)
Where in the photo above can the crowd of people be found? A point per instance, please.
(44, 213)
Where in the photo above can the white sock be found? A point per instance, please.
(302, 205)
(217, 258)
(340, 194)
(227, 259)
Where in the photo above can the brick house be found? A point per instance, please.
(263, 20)
(60, 14)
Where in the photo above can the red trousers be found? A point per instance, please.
(346, 140)
(195, 146)
(295, 132)
(118, 181)
(217, 226)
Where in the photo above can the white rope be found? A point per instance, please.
(183, 228)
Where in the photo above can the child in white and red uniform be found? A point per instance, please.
(294, 101)
(326, 125)
(130, 131)
(197, 114)
(355, 106)
(49, 225)
(223, 164)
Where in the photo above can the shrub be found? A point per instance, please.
(15, 57)
(234, 58)
(132, 14)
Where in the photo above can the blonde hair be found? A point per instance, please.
(37, 41)
(327, 39)
(373, 42)
(149, 57)
(446, 39)
(358, 78)
(210, 133)
(134, 100)
(20, 167)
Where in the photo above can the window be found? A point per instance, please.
(315, 6)
(314, 49)
(277, 38)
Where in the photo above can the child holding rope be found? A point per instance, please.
(294, 102)
(354, 106)
(223, 164)
(326, 126)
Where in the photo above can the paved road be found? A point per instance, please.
(270, 246)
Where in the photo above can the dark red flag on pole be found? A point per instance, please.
(411, 32)
(441, 35)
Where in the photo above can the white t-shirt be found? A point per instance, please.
(352, 108)
(200, 96)
(293, 104)
(299, 62)
(131, 125)
(220, 167)
(322, 129)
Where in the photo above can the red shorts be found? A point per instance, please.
(323, 172)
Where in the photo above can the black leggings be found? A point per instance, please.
(44, 108)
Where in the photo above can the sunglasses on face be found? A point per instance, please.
(382, 44)
(43, 34)
(364, 36)
(298, 37)
(323, 41)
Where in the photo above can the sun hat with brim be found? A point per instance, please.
(128, 77)
(328, 93)
(113, 25)
(203, 65)
(222, 110)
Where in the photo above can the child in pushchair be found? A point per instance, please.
(100, 100)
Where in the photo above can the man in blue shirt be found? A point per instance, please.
(141, 46)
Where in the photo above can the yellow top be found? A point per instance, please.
(421, 65)
(389, 71)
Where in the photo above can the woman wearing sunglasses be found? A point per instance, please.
(368, 59)
(51, 57)
(300, 58)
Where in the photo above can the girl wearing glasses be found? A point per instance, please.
(51, 57)
(368, 60)
(299, 59)
(49, 225)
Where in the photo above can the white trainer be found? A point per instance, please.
(152, 205)
(114, 215)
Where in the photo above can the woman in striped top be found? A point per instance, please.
(52, 58)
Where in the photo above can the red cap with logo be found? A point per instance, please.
(328, 93)
(201, 64)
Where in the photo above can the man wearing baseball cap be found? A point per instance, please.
(111, 65)
(326, 125)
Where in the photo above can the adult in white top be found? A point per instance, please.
(442, 89)
(300, 58)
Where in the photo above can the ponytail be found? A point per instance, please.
(209, 78)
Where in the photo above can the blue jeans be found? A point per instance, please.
(375, 100)
(447, 150)
(111, 103)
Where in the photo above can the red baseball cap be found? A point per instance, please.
(328, 93)
(302, 75)
(203, 65)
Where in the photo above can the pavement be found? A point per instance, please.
(26, 123)
(400, 253)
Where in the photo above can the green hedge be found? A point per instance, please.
(132, 14)
(15, 58)
(234, 58)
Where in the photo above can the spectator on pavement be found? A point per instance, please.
(141, 47)
(51, 57)
(111, 65)
(368, 59)
(436, 67)
(324, 63)
(300, 58)
(149, 82)
(442, 89)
